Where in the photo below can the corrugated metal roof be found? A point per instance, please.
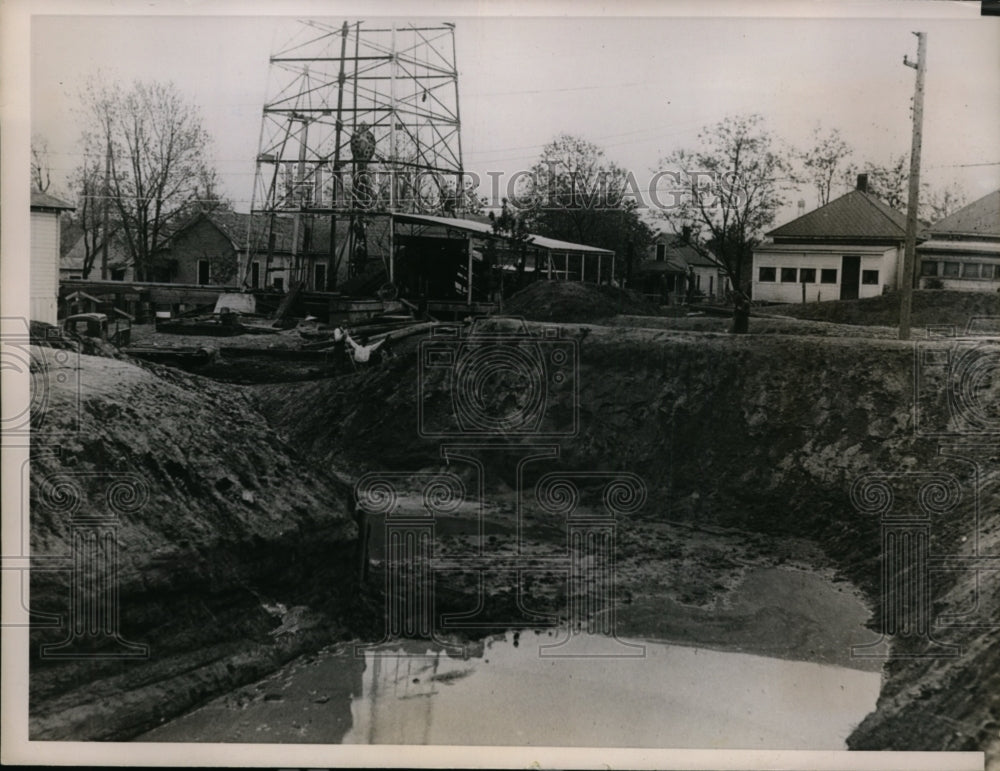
(486, 228)
(979, 218)
(854, 215)
(41, 200)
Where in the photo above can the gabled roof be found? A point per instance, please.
(683, 252)
(856, 215)
(679, 255)
(235, 227)
(117, 256)
(40, 200)
(979, 218)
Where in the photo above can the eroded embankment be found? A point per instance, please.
(766, 434)
(225, 534)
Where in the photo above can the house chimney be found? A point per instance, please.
(686, 234)
(802, 206)
(863, 183)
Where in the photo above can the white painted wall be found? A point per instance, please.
(885, 262)
(44, 271)
(964, 285)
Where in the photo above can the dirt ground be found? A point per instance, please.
(930, 306)
(764, 433)
(573, 301)
(748, 447)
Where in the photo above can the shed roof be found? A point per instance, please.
(979, 218)
(855, 215)
(486, 228)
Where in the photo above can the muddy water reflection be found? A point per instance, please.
(673, 697)
(503, 692)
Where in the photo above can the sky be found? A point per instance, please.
(639, 86)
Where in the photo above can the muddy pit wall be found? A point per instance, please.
(224, 532)
(760, 432)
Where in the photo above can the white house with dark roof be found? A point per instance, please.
(852, 247)
(963, 251)
(44, 271)
(676, 268)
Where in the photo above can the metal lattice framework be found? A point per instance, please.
(364, 122)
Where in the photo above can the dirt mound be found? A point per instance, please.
(930, 307)
(215, 519)
(765, 433)
(575, 301)
(759, 325)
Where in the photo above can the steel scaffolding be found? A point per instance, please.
(364, 123)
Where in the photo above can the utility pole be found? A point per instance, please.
(107, 214)
(913, 200)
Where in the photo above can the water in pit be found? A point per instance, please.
(507, 691)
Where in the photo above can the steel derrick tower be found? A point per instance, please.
(363, 122)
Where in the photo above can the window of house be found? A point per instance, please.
(828, 276)
(928, 268)
(279, 283)
(255, 275)
(996, 271)
(320, 277)
(869, 277)
(807, 275)
(202, 271)
(789, 275)
(118, 274)
(767, 274)
(951, 268)
(970, 269)
(661, 252)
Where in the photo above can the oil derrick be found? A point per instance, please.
(362, 122)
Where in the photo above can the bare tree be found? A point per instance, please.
(41, 175)
(88, 181)
(729, 188)
(157, 150)
(890, 182)
(826, 162)
(941, 202)
(576, 194)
